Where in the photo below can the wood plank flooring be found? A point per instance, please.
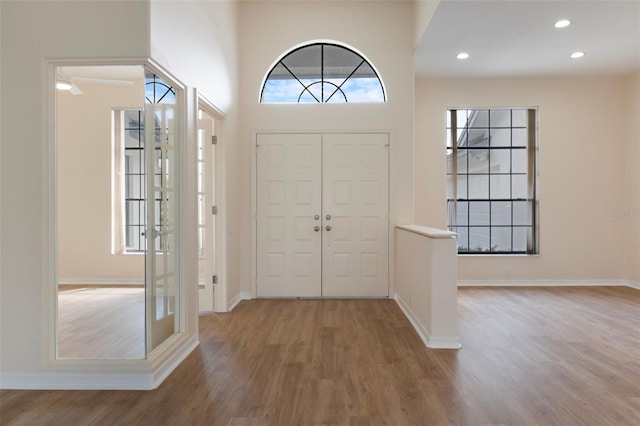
(530, 356)
(101, 322)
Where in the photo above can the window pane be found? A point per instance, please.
(281, 86)
(500, 186)
(520, 239)
(501, 213)
(449, 142)
(500, 160)
(362, 90)
(463, 238)
(479, 118)
(478, 187)
(462, 187)
(521, 213)
(462, 213)
(449, 187)
(519, 186)
(305, 63)
(340, 62)
(462, 160)
(500, 117)
(519, 137)
(500, 137)
(479, 213)
(478, 137)
(501, 239)
(519, 117)
(449, 161)
(479, 239)
(519, 160)
(461, 117)
(478, 161)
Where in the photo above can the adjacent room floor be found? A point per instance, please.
(101, 322)
(530, 356)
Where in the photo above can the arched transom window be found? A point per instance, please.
(322, 73)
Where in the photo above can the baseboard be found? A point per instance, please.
(56, 380)
(237, 299)
(165, 359)
(433, 342)
(143, 374)
(633, 284)
(544, 283)
(101, 281)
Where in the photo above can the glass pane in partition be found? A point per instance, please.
(162, 291)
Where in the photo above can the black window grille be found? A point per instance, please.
(135, 194)
(322, 73)
(491, 180)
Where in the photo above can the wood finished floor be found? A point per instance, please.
(101, 322)
(531, 356)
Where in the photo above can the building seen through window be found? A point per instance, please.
(491, 185)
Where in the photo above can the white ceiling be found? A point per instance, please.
(517, 38)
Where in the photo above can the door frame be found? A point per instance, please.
(254, 193)
(220, 303)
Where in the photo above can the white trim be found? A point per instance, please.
(219, 127)
(433, 342)
(633, 284)
(428, 232)
(243, 295)
(102, 281)
(544, 283)
(107, 374)
(112, 373)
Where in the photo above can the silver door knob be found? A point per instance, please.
(317, 217)
(316, 228)
(328, 228)
(328, 217)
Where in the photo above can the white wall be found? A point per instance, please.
(423, 12)
(198, 42)
(382, 31)
(84, 186)
(32, 31)
(581, 165)
(632, 155)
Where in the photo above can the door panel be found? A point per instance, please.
(206, 219)
(161, 278)
(355, 208)
(338, 183)
(289, 198)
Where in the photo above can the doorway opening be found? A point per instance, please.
(117, 131)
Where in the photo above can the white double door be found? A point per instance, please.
(323, 215)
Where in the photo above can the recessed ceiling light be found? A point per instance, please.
(576, 55)
(63, 85)
(563, 23)
(462, 55)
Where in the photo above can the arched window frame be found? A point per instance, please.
(284, 55)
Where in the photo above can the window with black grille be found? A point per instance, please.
(322, 73)
(129, 128)
(491, 180)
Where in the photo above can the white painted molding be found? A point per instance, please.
(57, 380)
(428, 232)
(102, 281)
(433, 342)
(112, 374)
(244, 295)
(163, 362)
(633, 284)
(544, 283)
